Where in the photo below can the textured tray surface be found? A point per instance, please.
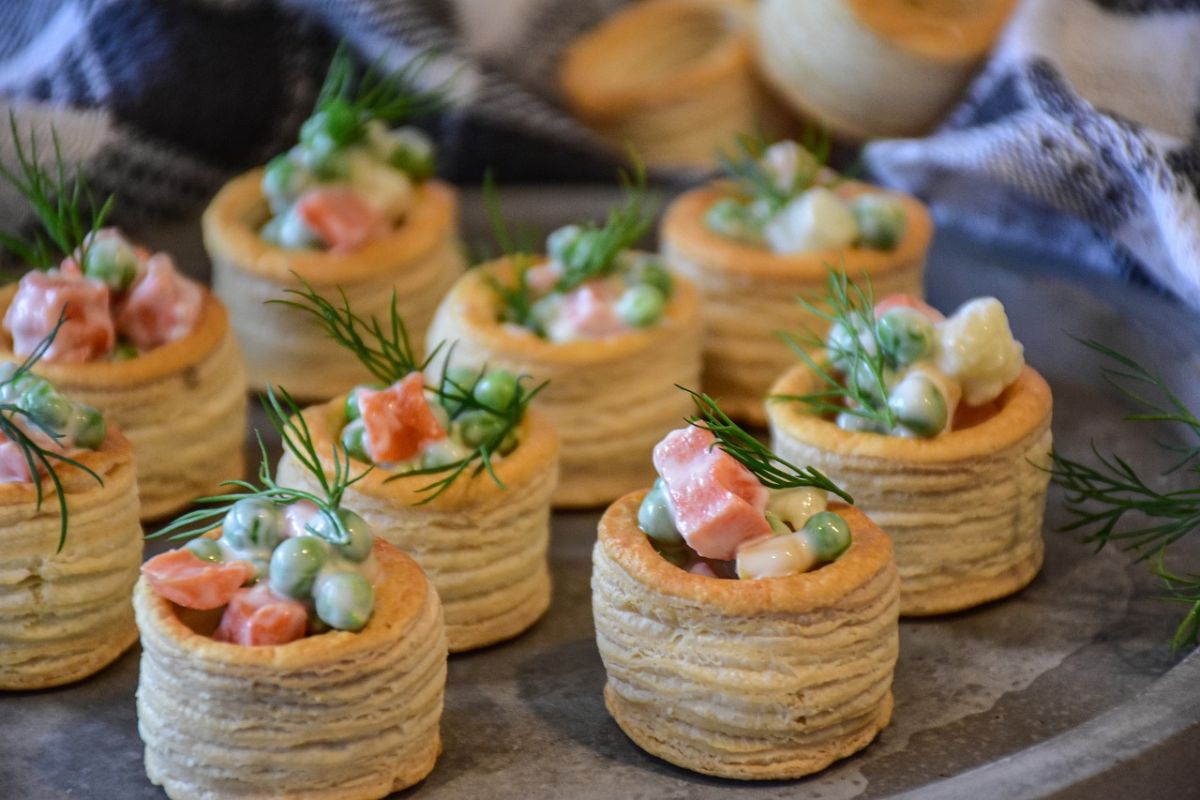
(1069, 688)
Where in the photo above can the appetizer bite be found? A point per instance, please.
(140, 341)
(289, 651)
(610, 330)
(353, 207)
(937, 427)
(757, 240)
(748, 629)
(464, 472)
(66, 569)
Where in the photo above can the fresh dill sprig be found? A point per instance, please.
(771, 471)
(1101, 498)
(386, 351)
(38, 458)
(517, 298)
(625, 226)
(376, 93)
(58, 202)
(284, 415)
(861, 387)
(745, 168)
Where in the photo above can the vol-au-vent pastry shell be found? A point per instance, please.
(181, 406)
(284, 346)
(66, 614)
(611, 399)
(964, 509)
(749, 292)
(484, 546)
(337, 715)
(757, 679)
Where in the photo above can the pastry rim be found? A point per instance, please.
(113, 451)
(1026, 405)
(399, 599)
(683, 228)
(475, 309)
(624, 542)
(231, 221)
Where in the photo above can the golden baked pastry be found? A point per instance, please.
(672, 79)
(419, 261)
(65, 614)
(874, 68)
(181, 405)
(339, 715)
(749, 291)
(964, 508)
(484, 546)
(769, 678)
(610, 399)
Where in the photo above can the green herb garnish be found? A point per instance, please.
(771, 471)
(596, 249)
(1100, 497)
(853, 348)
(376, 93)
(517, 299)
(285, 417)
(37, 457)
(56, 200)
(753, 180)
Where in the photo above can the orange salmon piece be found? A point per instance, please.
(342, 219)
(397, 420)
(184, 578)
(258, 616)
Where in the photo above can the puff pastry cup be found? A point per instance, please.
(749, 292)
(283, 346)
(65, 615)
(964, 509)
(750, 679)
(339, 715)
(875, 68)
(610, 399)
(182, 406)
(484, 548)
(673, 79)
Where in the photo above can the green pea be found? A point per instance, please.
(560, 240)
(111, 260)
(354, 439)
(253, 524)
(652, 273)
(641, 305)
(586, 248)
(442, 454)
(344, 600)
(656, 518)
(478, 427)
(678, 555)
(295, 564)
(47, 405)
(496, 389)
(206, 549)
(283, 181)
(124, 351)
(88, 426)
(905, 334)
(880, 219)
(354, 400)
(459, 383)
(417, 163)
(732, 218)
(334, 126)
(854, 422)
(778, 526)
(362, 535)
(919, 405)
(828, 535)
(867, 382)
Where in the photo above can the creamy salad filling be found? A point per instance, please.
(51, 420)
(120, 301)
(788, 202)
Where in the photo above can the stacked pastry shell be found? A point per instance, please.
(756, 679)
(964, 509)
(336, 715)
(749, 292)
(610, 399)
(284, 346)
(484, 546)
(65, 614)
(182, 407)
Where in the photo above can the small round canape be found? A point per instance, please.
(610, 399)
(875, 68)
(483, 545)
(65, 613)
(964, 508)
(418, 262)
(672, 79)
(749, 291)
(340, 714)
(181, 405)
(770, 678)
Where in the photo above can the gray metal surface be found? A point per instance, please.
(1067, 689)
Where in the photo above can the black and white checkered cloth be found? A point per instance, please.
(1081, 136)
